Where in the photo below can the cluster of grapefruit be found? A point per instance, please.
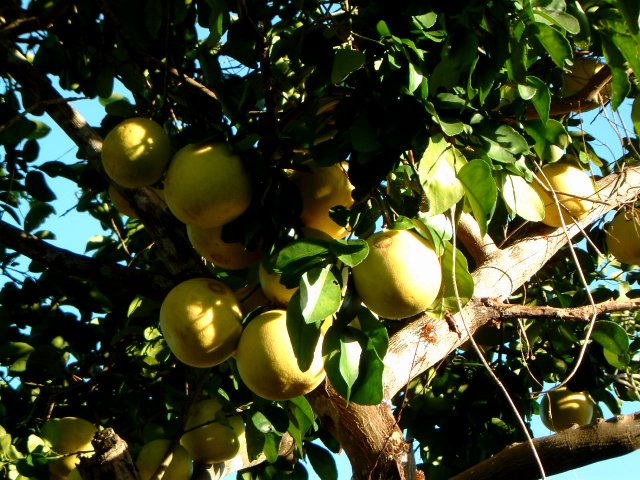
(206, 186)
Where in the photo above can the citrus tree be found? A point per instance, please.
(362, 226)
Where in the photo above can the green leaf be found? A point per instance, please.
(320, 294)
(481, 191)
(541, 100)
(503, 143)
(561, 19)
(611, 336)
(448, 301)
(37, 215)
(120, 108)
(553, 42)
(620, 361)
(345, 62)
(304, 336)
(298, 257)
(635, 115)
(350, 351)
(631, 11)
(375, 331)
(437, 172)
(551, 138)
(629, 46)
(37, 187)
(521, 199)
(350, 252)
(322, 461)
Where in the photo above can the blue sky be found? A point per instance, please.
(73, 230)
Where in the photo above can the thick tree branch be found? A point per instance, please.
(162, 227)
(112, 275)
(579, 314)
(479, 246)
(564, 451)
(424, 342)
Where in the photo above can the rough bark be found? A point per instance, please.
(110, 461)
(561, 452)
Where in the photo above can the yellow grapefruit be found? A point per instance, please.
(273, 289)
(400, 277)
(266, 361)
(572, 186)
(136, 152)
(212, 441)
(209, 244)
(323, 188)
(200, 321)
(67, 435)
(623, 236)
(153, 453)
(561, 408)
(120, 203)
(206, 185)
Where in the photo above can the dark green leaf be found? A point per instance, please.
(153, 16)
(322, 461)
(554, 43)
(456, 290)
(36, 216)
(631, 11)
(345, 62)
(37, 187)
(349, 252)
(611, 336)
(304, 336)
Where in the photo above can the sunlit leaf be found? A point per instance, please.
(320, 294)
(481, 191)
(521, 198)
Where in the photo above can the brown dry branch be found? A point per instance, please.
(567, 450)
(479, 246)
(585, 313)
(111, 459)
(110, 275)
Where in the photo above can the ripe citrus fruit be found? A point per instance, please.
(209, 244)
(212, 441)
(120, 203)
(572, 186)
(200, 321)
(67, 435)
(323, 188)
(266, 361)
(623, 236)
(400, 277)
(250, 298)
(153, 453)
(206, 185)
(273, 289)
(135, 153)
(561, 408)
(582, 70)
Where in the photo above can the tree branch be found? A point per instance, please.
(110, 274)
(564, 451)
(479, 246)
(579, 314)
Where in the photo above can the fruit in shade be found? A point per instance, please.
(136, 152)
(623, 236)
(212, 441)
(561, 408)
(582, 70)
(121, 204)
(200, 321)
(152, 454)
(323, 188)
(266, 361)
(400, 277)
(209, 244)
(250, 298)
(67, 435)
(273, 289)
(206, 185)
(572, 186)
